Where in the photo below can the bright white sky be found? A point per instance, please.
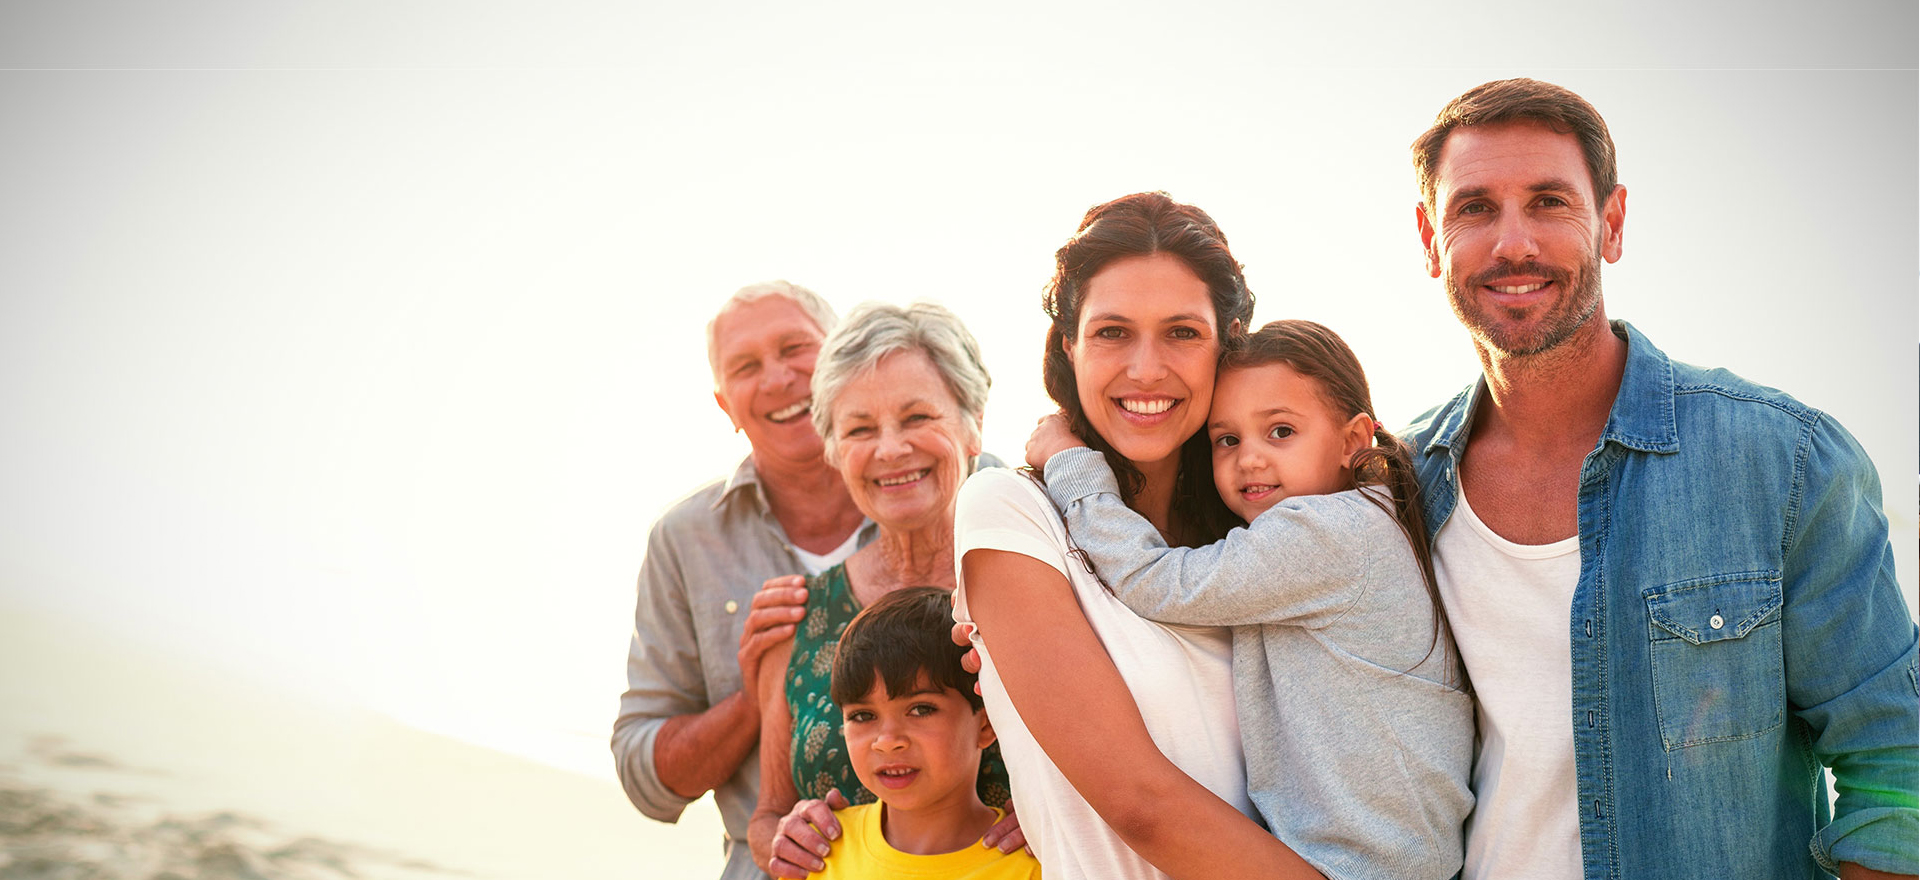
(357, 345)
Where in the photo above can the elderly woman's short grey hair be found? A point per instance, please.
(808, 301)
(873, 331)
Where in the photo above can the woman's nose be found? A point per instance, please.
(893, 444)
(1147, 363)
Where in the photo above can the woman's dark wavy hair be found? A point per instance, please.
(1318, 353)
(1140, 225)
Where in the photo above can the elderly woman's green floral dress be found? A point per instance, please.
(819, 758)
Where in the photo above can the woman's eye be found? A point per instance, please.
(1280, 432)
(857, 432)
(1110, 333)
(1185, 333)
(917, 417)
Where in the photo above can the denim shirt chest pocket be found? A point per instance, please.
(1717, 657)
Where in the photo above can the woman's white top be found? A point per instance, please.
(1180, 676)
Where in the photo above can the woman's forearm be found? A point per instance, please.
(1078, 708)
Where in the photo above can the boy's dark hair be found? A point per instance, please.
(895, 639)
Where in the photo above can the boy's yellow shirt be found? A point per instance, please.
(863, 854)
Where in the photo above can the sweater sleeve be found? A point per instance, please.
(1304, 562)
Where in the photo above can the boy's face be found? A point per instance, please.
(919, 749)
(1274, 437)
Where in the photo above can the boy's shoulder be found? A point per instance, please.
(863, 852)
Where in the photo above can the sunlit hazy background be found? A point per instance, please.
(347, 350)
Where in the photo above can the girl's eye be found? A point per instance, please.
(1226, 441)
(858, 717)
(919, 710)
(1280, 432)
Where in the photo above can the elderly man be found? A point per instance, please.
(702, 621)
(1672, 588)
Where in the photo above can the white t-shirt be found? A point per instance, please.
(1510, 605)
(816, 563)
(1180, 676)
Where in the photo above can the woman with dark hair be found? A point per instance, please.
(1141, 301)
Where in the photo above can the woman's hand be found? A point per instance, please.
(1006, 834)
(801, 843)
(1049, 437)
(777, 608)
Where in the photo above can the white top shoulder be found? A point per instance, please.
(1180, 676)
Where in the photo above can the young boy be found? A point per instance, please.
(914, 729)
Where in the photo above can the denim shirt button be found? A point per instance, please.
(1717, 622)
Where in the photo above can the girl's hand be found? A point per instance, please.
(1050, 436)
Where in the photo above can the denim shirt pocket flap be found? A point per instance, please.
(1715, 608)
(1718, 672)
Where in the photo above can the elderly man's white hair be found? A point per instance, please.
(808, 301)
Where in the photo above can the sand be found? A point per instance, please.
(122, 762)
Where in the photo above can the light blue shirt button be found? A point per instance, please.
(1717, 622)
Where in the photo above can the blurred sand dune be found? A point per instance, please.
(124, 761)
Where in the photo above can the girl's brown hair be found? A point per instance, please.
(1318, 353)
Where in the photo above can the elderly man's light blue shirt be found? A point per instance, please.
(1735, 627)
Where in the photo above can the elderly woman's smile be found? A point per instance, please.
(901, 441)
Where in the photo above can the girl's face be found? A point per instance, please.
(1143, 356)
(1274, 437)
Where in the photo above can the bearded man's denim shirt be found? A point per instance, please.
(1736, 626)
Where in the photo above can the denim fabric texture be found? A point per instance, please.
(1736, 626)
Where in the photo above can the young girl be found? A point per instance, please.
(1357, 733)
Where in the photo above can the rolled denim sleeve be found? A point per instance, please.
(1850, 664)
(1293, 564)
(664, 677)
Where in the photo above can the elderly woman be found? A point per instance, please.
(898, 395)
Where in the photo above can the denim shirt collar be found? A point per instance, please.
(1641, 419)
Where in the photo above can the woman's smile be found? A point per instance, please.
(1143, 357)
